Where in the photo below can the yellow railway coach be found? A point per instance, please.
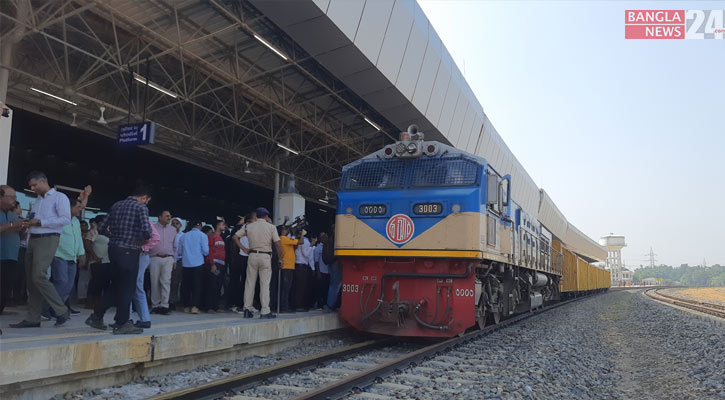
(579, 276)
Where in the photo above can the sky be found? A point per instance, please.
(626, 136)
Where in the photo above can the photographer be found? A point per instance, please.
(288, 267)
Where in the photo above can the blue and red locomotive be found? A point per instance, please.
(432, 242)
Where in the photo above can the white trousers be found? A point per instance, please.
(160, 270)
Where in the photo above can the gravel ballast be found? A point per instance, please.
(618, 345)
(147, 386)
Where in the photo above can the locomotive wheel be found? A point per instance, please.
(481, 316)
(496, 317)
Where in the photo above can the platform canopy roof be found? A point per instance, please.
(299, 87)
(232, 87)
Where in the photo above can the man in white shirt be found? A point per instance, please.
(238, 268)
(303, 276)
(51, 214)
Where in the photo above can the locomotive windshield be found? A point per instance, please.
(390, 173)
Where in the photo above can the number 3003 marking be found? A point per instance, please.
(464, 292)
(350, 288)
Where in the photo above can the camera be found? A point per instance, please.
(296, 227)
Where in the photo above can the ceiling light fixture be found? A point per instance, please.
(373, 124)
(288, 149)
(53, 96)
(141, 79)
(269, 45)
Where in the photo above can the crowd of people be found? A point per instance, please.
(137, 265)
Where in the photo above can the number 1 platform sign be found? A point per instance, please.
(138, 133)
(674, 24)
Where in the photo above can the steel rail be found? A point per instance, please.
(217, 388)
(368, 377)
(717, 310)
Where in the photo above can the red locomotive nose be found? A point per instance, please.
(408, 298)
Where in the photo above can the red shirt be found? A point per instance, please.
(216, 249)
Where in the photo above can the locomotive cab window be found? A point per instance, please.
(449, 170)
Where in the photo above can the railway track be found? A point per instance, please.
(336, 373)
(717, 310)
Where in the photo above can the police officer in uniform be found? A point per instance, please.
(262, 235)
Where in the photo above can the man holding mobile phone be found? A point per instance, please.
(52, 213)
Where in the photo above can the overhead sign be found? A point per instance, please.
(138, 133)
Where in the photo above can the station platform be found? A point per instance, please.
(33, 357)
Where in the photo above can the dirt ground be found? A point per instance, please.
(706, 294)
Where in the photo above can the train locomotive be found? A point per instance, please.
(432, 243)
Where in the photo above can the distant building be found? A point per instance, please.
(627, 275)
(615, 244)
(652, 281)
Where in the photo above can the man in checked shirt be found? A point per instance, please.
(128, 228)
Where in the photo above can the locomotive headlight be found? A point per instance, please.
(412, 148)
(456, 208)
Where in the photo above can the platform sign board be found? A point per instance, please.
(138, 133)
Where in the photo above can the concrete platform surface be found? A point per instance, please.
(36, 353)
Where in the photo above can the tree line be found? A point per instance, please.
(684, 274)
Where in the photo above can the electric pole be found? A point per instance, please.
(651, 258)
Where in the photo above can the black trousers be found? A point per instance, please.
(286, 289)
(213, 286)
(100, 279)
(237, 277)
(301, 287)
(9, 272)
(321, 286)
(191, 286)
(123, 272)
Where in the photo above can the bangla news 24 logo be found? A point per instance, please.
(674, 24)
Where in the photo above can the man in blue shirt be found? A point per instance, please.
(10, 227)
(194, 247)
(322, 273)
(51, 213)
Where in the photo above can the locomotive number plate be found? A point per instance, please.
(427, 208)
(373, 209)
(350, 288)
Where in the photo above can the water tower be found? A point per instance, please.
(614, 244)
